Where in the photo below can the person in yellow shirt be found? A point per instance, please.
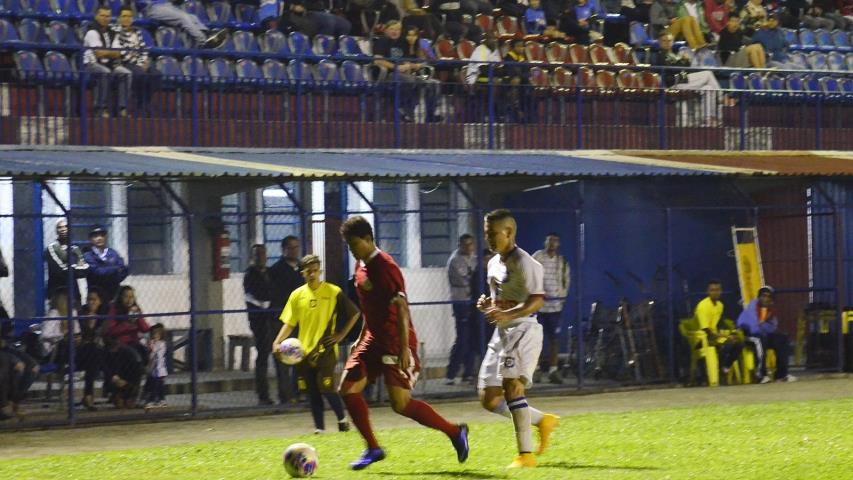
(707, 316)
(315, 308)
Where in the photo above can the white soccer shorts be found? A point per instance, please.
(512, 353)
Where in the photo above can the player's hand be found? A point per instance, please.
(405, 359)
(498, 317)
(332, 340)
(484, 303)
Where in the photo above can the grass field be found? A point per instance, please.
(790, 440)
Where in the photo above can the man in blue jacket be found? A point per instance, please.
(106, 267)
(758, 320)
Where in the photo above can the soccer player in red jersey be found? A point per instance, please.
(387, 347)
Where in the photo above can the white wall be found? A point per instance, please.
(7, 236)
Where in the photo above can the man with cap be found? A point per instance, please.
(106, 267)
(758, 320)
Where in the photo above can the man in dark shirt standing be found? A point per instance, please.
(256, 292)
(106, 267)
(284, 278)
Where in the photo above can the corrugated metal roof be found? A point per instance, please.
(212, 162)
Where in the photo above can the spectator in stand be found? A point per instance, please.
(90, 353)
(514, 8)
(717, 14)
(473, 7)
(733, 50)
(773, 40)
(417, 16)
(846, 9)
(389, 52)
(516, 76)
(702, 82)
(556, 280)
(828, 9)
(615, 32)
(696, 10)
(122, 373)
(126, 323)
(164, 11)
(752, 16)
(644, 11)
(665, 19)
(460, 267)
(57, 257)
(10, 368)
(284, 279)
(257, 292)
(106, 267)
(761, 325)
(54, 332)
(134, 57)
(311, 18)
(369, 15)
(18, 371)
(4, 272)
(534, 19)
(155, 384)
(450, 13)
(796, 13)
(477, 72)
(101, 64)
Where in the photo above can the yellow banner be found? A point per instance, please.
(748, 271)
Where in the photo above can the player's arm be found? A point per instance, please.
(285, 332)
(352, 314)
(403, 316)
(288, 320)
(526, 309)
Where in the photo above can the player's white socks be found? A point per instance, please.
(521, 419)
(503, 410)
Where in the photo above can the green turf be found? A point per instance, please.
(792, 440)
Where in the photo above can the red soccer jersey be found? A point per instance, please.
(377, 283)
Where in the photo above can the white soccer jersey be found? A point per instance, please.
(515, 279)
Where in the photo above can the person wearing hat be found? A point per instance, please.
(758, 320)
(106, 267)
(315, 309)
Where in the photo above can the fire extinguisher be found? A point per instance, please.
(221, 255)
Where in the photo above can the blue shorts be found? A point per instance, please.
(550, 322)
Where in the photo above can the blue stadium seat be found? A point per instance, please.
(348, 46)
(324, 45)
(194, 67)
(799, 58)
(219, 14)
(707, 58)
(86, 8)
(244, 41)
(227, 45)
(846, 85)
(248, 72)
(273, 41)
(27, 66)
(65, 9)
(639, 35)
(848, 59)
(115, 6)
(426, 47)
(811, 84)
(823, 39)
(81, 29)
(817, 61)
(8, 33)
(58, 70)
(275, 72)
(221, 71)
(792, 38)
(168, 37)
(737, 81)
(795, 83)
(299, 71)
(298, 44)
(196, 8)
(170, 71)
(35, 9)
(147, 37)
(353, 73)
(807, 39)
(775, 83)
(835, 61)
(327, 71)
(756, 82)
(59, 33)
(245, 16)
(30, 31)
(841, 41)
(830, 85)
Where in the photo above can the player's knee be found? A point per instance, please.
(513, 388)
(399, 404)
(490, 402)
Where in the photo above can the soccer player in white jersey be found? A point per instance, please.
(517, 293)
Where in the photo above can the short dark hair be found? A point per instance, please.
(552, 234)
(122, 9)
(158, 326)
(714, 281)
(465, 236)
(104, 7)
(357, 226)
(288, 239)
(498, 215)
(258, 245)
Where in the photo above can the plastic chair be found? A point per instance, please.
(348, 46)
(221, 71)
(556, 52)
(248, 71)
(244, 41)
(28, 66)
(273, 41)
(275, 72)
(30, 31)
(298, 44)
(324, 45)
(697, 342)
(534, 52)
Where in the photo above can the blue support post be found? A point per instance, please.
(38, 249)
(579, 252)
(669, 295)
(491, 107)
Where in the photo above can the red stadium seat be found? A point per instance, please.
(563, 80)
(599, 54)
(578, 54)
(534, 52)
(605, 80)
(586, 79)
(539, 78)
(445, 49)
(556, 53)
(486, 22)
(464, 49)
(623, 54)
(507, 27)
(626, 81)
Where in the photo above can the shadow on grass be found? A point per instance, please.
(476, 475)
(579, 466)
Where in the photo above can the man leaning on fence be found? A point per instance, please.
(556, 279)
(460, 269)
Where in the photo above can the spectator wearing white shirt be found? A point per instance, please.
(104, 65)
(135, 57)
(556, 288)
(477, 72)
